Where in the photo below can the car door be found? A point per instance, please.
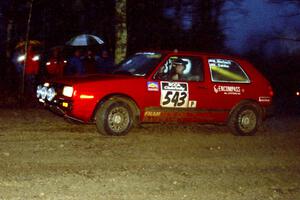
(174, 97)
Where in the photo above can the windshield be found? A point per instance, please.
(139, 64)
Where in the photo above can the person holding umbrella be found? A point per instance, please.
(76, 64)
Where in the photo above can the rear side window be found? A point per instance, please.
(223, 70)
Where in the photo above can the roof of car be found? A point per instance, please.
(209, 54)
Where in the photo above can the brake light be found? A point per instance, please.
(271, 93)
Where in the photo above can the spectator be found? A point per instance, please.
(75, 64)
(18, 58)
(90, 62)
(104, 62)
(32, 67)
(55, 65)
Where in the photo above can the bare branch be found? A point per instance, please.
(287, 2)
(285, 38)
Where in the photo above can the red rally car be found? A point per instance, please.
(165, 86)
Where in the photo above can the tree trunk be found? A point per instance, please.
(10, 27)
(9, 30)
(26, 49)
(121, 31)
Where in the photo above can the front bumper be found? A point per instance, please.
(71, 106)
(50, 95)
(63, 104)
(60, 106)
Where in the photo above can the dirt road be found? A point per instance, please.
(44, 157)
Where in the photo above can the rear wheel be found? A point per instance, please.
(114, 117)
(245, 119)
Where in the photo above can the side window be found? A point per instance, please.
(223, 70)
(179, 68)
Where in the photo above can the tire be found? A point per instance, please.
(245, 119)
(114, 118)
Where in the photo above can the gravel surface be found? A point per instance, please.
(42, 156)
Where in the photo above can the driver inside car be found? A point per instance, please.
(178, 67)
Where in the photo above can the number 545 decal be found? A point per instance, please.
(174, 94)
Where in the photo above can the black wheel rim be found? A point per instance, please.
(118, 119)
(247, 121)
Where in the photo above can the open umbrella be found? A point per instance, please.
(85, 40)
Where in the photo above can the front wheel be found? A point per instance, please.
(114, 118)
(245, 119)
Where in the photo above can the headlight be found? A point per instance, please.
(44, 93)
(38, 91)
(41, 92)
(21, 58)
(36, 58)
(50, 94)
(68, 91)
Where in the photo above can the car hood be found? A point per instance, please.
(74, 80)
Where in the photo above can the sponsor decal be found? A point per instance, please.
(192, 104)
(264, 99)
(175, 86)
(219, 63)
(174, 94)
(152, 86)
(152, 114)
(228, 90)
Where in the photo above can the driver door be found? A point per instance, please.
(177, 100)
